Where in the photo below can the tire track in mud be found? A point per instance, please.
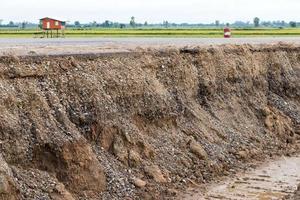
(271, 181)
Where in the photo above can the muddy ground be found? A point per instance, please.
(143, 125)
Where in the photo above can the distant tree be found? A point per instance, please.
(266, 23)
(1, 21)
(217, 23)
(146, 23)
(115, 24)
(132, 22)
(122, 25)
(256, 21)
(23, 25)
(293, 24)
(227, 24)
(239, 24)
(11, 23)
(107, 24)
(166, 24)
(77, 23)
(94, 24)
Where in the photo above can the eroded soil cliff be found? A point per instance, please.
(145, 124)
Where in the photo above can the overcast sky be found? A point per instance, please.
(192, 11)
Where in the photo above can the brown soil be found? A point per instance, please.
(297, 194)
(143, 125)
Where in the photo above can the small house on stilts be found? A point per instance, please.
(52, 27)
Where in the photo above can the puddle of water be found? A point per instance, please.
(271, 181)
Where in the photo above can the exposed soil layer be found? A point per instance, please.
(143, 125)
(297, 194)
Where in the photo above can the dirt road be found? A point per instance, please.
(22, 46)
(274, 180)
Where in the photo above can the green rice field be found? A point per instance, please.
(97, 32)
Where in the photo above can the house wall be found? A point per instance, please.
(51, 24)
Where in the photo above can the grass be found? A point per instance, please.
(157, 32)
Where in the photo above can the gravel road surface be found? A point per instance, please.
(21, 46)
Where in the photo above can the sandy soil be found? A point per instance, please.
(273, 180)
(20, 46)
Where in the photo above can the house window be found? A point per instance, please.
(56, 23)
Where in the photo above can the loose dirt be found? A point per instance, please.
(146, 124)
(274, 180)
(296, 195)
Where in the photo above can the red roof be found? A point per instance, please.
(51, 19)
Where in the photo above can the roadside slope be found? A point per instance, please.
(144, 124)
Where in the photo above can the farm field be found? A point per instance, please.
(97, 32)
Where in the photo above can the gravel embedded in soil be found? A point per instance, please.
(89, 126)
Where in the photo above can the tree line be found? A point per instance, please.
(166, 24)
(257, 22)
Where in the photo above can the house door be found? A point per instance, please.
(48, 25)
